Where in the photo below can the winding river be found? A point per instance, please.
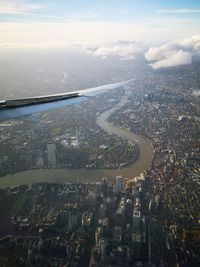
(86, 175)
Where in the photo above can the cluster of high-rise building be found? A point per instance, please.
(96, 223)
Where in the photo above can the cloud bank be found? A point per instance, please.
(177, 11)
(175, 53)
(123, 50)
(196, 93)
(17, 6)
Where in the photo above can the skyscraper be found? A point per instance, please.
(119, 184)
(51, 154)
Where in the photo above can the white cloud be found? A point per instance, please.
(17, 6)
(177, 11)
(75, 28)
(175, 59)
(123, 50)
(124, 11)
(175, 53)
(68, 32)
(196, 93)
(81, 15)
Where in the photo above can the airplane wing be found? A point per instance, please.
(15, 108)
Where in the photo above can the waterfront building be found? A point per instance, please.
(119, 184)
(51, 154)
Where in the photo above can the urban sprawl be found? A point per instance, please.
(149, 220)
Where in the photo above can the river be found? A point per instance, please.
(85, 175)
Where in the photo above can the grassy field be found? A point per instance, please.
(55, 131)
(18, 205)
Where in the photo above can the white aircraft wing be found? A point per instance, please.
(15, 108)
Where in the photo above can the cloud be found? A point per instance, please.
(178, 52)
(32, 30)
(124, 11)
(81, 15)
(17, 6)
(35, 33)
(175, 59)
(123, 50)
(177, 11)
(196, 93)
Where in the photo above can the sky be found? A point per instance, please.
(54, 23)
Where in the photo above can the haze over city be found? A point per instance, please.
(164, 33)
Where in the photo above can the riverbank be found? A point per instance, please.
(84, 175)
